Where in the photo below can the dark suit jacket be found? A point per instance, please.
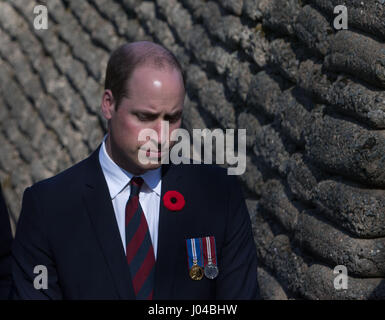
(5, 250)
(67, 224)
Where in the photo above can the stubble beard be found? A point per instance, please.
(121, 159)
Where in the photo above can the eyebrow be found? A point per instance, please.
(149, 113)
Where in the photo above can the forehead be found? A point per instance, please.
(167, 80)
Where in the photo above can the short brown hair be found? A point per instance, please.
(127, 57)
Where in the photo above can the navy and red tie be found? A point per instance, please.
(139, 249)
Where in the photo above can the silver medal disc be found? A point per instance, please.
(211, 271)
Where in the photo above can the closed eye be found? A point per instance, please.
(173, 118)
(146, 116)
(143, 116)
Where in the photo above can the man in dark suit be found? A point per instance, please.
(5, 250)
(112, 227)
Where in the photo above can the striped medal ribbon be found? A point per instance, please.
(195, 259)
(210, 258)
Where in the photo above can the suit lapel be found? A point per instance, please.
(101, 213)
(168, 233)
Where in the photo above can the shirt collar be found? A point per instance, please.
(117, 178)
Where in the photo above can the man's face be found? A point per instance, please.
(154, 96)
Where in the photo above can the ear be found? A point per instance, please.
(108, 104)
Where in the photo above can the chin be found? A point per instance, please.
(151, 166)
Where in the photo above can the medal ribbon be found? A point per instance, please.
(194, 249)
(209, 251)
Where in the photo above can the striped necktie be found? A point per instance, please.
(139, 249)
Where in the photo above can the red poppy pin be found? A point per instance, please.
(173, 200)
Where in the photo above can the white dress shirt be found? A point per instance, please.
(118, 182)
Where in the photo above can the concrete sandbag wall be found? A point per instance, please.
(311, 98)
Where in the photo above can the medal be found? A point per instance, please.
(211, 271)
(195, 259)
(209, 253)
(196, 272)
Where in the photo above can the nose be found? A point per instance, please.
(162, 129)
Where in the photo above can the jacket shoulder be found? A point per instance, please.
(63, 181)
(209, 172)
